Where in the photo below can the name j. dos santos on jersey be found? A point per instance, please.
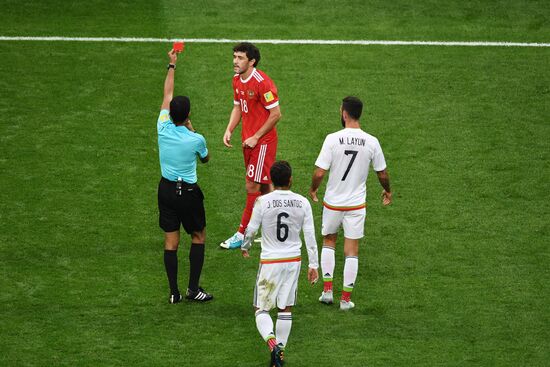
(290, 203)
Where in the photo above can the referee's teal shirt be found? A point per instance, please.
(178, 150)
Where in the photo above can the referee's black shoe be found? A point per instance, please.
(175, 298)
(199, 295)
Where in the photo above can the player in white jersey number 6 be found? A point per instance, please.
(348, 154)
(282, 214)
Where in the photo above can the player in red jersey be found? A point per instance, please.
(256, 103)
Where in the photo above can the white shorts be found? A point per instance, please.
(353, 222)
(276, 285)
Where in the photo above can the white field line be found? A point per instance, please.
(278, 41)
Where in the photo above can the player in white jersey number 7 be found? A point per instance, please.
(348, 154)
(282, 215)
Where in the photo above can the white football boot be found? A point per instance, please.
(346, 306)
(326, 297)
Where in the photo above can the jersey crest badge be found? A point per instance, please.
(268, 96)
(250, 93)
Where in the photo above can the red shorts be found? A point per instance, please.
(258, 162)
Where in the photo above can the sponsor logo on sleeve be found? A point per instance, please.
(268, 96)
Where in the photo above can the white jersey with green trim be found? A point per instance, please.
(282, 215)
(348, 154)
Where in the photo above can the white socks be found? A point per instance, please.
(327, 263)
(264, 325)
(350, 272)
(283, 326)
(351, 265)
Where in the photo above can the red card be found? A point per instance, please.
(178, 46)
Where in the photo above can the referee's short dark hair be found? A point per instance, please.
(353, 106)
(251, 51)
(179, 108)
(280, 173)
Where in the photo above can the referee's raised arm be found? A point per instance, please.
(169, 82)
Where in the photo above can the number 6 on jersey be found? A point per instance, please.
(281, 227)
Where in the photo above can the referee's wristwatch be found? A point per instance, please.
(171, 66)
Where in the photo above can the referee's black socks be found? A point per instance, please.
(171, 265)
(196, 259)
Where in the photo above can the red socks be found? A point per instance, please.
(247, 213)
(346, 296)
(271, 343)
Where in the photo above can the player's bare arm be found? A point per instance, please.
(384, 180)
(234, 120)
(269, 124)
(312, 275)
(169, 81)
(316, 181)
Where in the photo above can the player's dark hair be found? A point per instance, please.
(179, 109)
(280, 173)
(353, 106)
(251, 51)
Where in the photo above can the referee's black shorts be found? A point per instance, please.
(187, 209)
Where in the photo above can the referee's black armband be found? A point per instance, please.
(171, 66)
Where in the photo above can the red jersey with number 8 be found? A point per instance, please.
(256, 96)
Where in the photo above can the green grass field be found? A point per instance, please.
(455, 273)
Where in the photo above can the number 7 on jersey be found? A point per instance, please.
(353, 155)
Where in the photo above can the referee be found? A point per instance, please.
(180, 199)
